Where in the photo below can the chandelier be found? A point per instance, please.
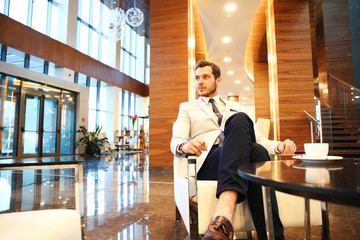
(133, 16)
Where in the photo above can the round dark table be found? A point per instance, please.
(336, 181)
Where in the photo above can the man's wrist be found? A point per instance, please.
(180, 148)
(277, 151)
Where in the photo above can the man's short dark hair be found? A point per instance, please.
(215, 68)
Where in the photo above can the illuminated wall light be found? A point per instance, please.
(357, 96)
(230, 72)
(230, 7)
(226, 39)
(229, 15)
(247, 88)
(237, 81)
(244, 98)
(227, 59)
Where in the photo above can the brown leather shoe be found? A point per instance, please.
(219, 228)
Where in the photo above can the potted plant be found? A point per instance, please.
(91, 140)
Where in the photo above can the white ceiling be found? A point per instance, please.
(216, 25)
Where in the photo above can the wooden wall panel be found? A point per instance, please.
(169, 45)
(261, 90)
(13, 34)
(168, 92)
(169, 73)
(294, 69)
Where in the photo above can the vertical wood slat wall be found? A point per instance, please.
(169, 69)
(294, 69)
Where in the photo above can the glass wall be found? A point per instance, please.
(92, 31)
(68, 113)
(9, 109)
(41, 15)
(91, 35)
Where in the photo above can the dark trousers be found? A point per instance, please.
(222, 162)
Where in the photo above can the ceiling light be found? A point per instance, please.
(244, 98)
(227, 59)
(230, 7)
(247, 88)
(237, 81)
(229, 15)
(230, 94)
(226, 40)
(230, 72)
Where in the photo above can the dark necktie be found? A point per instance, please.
(220, 116)
(216, 111)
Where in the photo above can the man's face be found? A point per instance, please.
(206, 84)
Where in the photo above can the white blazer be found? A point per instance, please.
(196, 120)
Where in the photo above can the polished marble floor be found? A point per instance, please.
(124, 198)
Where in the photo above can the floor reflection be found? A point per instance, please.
(124, 198)
(119, 204)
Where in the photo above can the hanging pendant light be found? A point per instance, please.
(133, 16)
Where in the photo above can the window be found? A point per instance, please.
(82, 79)
(128, 51)
(41, 15)
(19, 10)
(36, 64)
(93, 93)
(92, 36)
(15, 57)
(40, 12)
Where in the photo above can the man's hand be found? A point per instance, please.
(195, 146)
(287, 147)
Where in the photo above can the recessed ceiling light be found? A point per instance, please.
(227, 59)
(230, 7)
(230, 72)
(247, 88)
(237, 81)
(230, 94)
(229, 15)
(226, 40)
(244, 98)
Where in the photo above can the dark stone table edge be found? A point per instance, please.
(334, 195)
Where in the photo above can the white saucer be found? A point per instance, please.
(304, 158)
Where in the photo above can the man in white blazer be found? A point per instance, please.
(223, 136)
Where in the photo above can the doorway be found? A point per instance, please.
(39, 133)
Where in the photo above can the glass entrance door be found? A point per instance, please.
(50, 126)
(40, 130)
(31, 128)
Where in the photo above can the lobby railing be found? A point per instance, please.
(339, 120)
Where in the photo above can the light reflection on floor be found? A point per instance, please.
(118, 201)
(125, 199)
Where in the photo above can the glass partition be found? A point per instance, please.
(340, 119)
(9, 108)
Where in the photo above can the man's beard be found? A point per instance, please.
(211, 91)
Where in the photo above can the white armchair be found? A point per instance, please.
(291, 208)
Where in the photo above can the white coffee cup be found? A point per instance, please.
(316, 150)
